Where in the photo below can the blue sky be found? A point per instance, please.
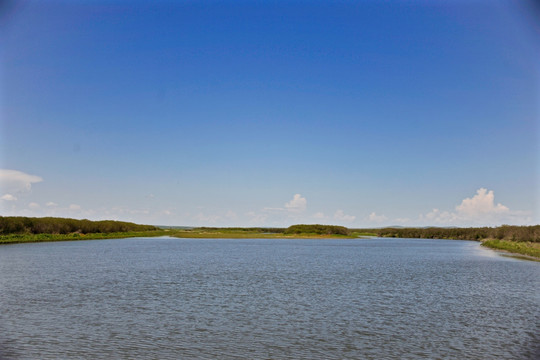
(270, 113)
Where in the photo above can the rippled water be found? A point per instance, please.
(166, 298)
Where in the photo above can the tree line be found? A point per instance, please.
(317, 229)
(504, 232)
(53, 225)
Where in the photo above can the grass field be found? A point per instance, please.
(196, 233)
(527, 248)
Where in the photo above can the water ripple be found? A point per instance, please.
(266, 299)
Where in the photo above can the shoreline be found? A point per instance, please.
(520, 250)
(38, 238)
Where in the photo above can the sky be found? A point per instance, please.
(271, 113)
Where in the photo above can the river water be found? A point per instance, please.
(167, 298)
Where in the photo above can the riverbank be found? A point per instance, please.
(33, 238)
(519, 240)
(526, 249)
(253, 233)
(193, 233)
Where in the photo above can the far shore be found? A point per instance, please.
(34, 238)
(520, 250)
(523, 241)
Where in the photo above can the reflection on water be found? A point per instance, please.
(266, 299)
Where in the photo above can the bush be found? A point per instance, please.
(51, 225)
(317, 229)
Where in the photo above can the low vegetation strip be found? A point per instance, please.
(30, 238)
(317, 230)
(52, 225)
(527, 248)
(524, 240)
(293, 232)
(504, 232)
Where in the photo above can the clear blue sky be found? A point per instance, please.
(269, 113)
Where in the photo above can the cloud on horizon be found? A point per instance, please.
(297, 204)
(8, 197)
(14, 181)
(374, 218)
(479, 210)
(340, 216)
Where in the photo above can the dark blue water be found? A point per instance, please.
(166, 298)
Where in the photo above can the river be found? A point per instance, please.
(168, 298)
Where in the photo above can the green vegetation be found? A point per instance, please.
(227, 233)
(363, 233)
(17, 229)
(524, 240)
(28, 238)
(527, 248)
(505, 232)
(24, 229)
(292, 232)
(317, 230)
(52, 225)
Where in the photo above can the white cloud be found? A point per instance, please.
(439, 217)
(297, 204)
(481, 204)
(33, 206)
(319, 215)
(14, 181)
(373, 217)
(479, 210)
(51, 204)
(8, 197)
(256, 219)
(341, 216)
(74, 207)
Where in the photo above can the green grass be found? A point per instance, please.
(527, 248)
(245, 233)
(29, 238)
(197, 233)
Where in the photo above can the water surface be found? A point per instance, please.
(166, 298)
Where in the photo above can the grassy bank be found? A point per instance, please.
(54, 225)
(504, 232)
(20, 229)
(527, 248)
(27, 230)
(30, 238)
(522, 240)
(292, 232)
(225, 233)
(186, 234)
